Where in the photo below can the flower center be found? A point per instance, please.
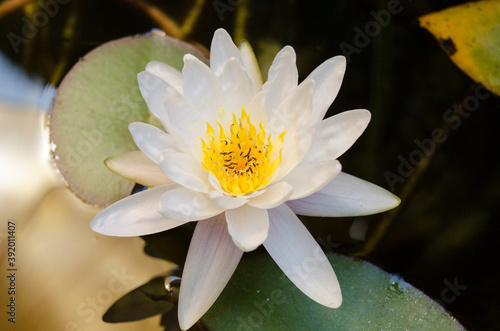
(243, 160)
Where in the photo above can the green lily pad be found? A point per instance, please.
(93, 106)
(470, 35)
(260, 297)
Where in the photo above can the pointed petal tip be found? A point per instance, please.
(288, 48)
(154, 66)
(142, 73)
(185, 321)
(98, 224)
(248, 226)
(132, 126)
(244, 246)
(221, 32)
(366, 112)
(95, 225)
(139, 74)
(387, 201)
(336, 301)
(363, 115)
(339, 60)
(332, 298)
(362, 118)
(144, 78)
(396, 201)
(342, 59)
(188, 57)
(110, 163)
(367, 116)
(327, 293)
(287, 51)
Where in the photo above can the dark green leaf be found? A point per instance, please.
(260, 297)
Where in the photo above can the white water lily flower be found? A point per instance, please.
(242, 158)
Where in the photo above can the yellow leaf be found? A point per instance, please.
(470, 35)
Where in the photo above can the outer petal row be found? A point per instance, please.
(210, 263)
(136, 215)
(139, 168)
(185, 205)
(345, 195)
(300, 257)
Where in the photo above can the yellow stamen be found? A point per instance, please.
(241, 158)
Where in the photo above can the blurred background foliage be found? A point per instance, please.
(446, 228)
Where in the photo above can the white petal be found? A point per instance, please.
(345, 195)
(274, 195)
(309, 178)
(187, 123)
(136, 215)
(214, 182)
(227, 202)
(139, 168)
(169, 74)
(294, 111)
(237, 86)
(282, 78)
(202, 90)
(328, 79)
(295, 147)
(337, 134)
(221, 50)
(251, 65)
(257, 109)
(154, 91)
(210, 263)
(299, 256)
(150, 139)
(247, 226)
(184, 169)
(185, 205)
